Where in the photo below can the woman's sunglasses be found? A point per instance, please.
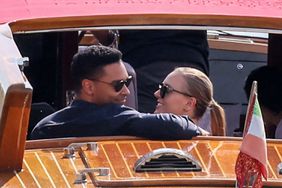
(165, 90)
(116, 84)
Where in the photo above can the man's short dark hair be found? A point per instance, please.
(269, 80)
(88, 63)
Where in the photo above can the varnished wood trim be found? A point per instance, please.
(280, 157)
(219, 182)
(271, 170)
(60, 169)
(109, 161)
(63, 142)
(45, 170)
(121, 153)
(222, 44)
(13, 126)
(146, 19)
(32, 174)
(202, 161)
(19, 178)
(214, 150)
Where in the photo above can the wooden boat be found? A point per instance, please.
(110, 163)
(116, 161)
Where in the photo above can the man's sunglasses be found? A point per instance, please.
(116, 84)
(165, 90)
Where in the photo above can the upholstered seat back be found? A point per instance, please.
(132, 100)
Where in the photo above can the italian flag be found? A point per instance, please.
(252, 159)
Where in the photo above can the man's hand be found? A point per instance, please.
(203, 132)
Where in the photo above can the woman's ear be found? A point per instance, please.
(190, 104)
(87, 86)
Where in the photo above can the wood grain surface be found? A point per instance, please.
(48, 168)
(30, 15)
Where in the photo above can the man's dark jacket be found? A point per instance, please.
(82, 119)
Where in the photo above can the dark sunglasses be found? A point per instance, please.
(165, 90)
(116, 84)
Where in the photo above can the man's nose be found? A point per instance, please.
(125, 90)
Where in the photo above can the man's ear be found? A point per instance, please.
(190, 104)
(87, 86)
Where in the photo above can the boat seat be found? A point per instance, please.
(132, 99)
(38, 112)
(232, 113)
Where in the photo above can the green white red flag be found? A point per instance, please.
(251, 163)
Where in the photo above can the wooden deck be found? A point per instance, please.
(48, 168)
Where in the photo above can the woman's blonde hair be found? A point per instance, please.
(199, 86)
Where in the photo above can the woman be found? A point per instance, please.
(188, 91)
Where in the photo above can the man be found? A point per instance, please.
(269, 82)
(100, 83)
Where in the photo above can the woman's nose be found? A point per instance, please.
(157, 94)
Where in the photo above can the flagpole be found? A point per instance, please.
(250, 107)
